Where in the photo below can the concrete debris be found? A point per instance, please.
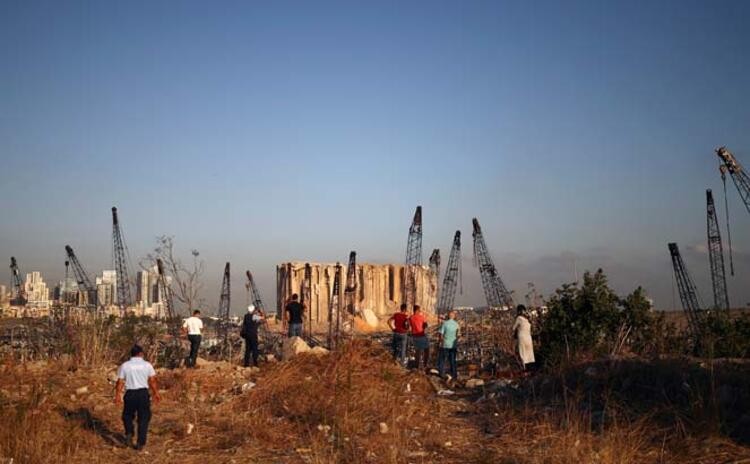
(189, 429)
(82, 390)
(270, 358)
(324, 428)
(293, 346)
(319, 350)
(383, 427)
(474, 383)
(446, 392)
(248, 386)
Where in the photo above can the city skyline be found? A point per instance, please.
(581, 135)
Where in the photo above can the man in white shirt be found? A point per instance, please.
(193, 326)
(135, 377)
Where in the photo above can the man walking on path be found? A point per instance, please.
(418, 326)
(136, 377)
(399, 324)
(295, 313)
(249, 332)
(193, 326)
(447, 339)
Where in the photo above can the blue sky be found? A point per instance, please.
(577, 132)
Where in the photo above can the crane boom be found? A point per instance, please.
(688, 292)
(716, 255)
(740, 177)
(494, 289)
(85, 285)
(413, 257)
(165, 290)
(19, 293)
(450, 281)
(224, 306)
(119, 252)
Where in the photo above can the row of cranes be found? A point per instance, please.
(692, 303)
(495, 291)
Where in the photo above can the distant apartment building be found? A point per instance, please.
(106, 288)
(37, 293)
(150, 298)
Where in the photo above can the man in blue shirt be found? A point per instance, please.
(447, 337)
(135, 377)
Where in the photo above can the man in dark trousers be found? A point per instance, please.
(295, 315)
(249, 332)
(135, 377)
(399, 324)
(193, 326)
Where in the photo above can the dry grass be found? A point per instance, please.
(323, 409)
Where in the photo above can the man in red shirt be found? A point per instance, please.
(399, 324)
(418, 326)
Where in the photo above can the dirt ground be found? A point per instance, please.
(357, 405)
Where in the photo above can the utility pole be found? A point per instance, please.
(19, 293)
(450, 281)
(494, 288)
(716, 255)
(119, 251)
(688, 293)
(413, 258)
(85, 286)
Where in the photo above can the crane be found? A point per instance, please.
(452, 275)
(716, 255)
(494, 289)
(223, 312)
(435, 263)
(119, 252)
(413, 257)
(306, 296)
(85, 286)
(19, 293)
(731, 165)
(334, 309)
(253, 297)
(350, 296)
(691, 301)
(164, 290)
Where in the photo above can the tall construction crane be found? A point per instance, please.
(253, 297)
(85, 286)
(334, 309)
(691, 302)
(413, 258)
(716, 255)
(435, 262)
(739, 175)
(165, 291)
(19, 293)
(119, 252)
(350, 296)
(306, 296)
(452, 275)
(223, 313)
(494, 289)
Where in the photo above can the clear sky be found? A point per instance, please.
(581, 134)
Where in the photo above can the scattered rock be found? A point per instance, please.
(446, 392)
(383, 427)
(270, 358)
(319, 350)
(82, 390)
(247, 387)
(473, 383)
(324, 428)
(447, 444)
(294, 346)
(189, 429)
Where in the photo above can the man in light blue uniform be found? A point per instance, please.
(135, 377)
(448, 335)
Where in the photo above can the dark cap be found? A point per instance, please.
(136, 350)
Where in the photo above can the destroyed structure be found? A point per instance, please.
(380, 288)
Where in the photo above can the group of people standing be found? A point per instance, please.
(413, 328)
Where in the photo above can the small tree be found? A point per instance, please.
(186, 279)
